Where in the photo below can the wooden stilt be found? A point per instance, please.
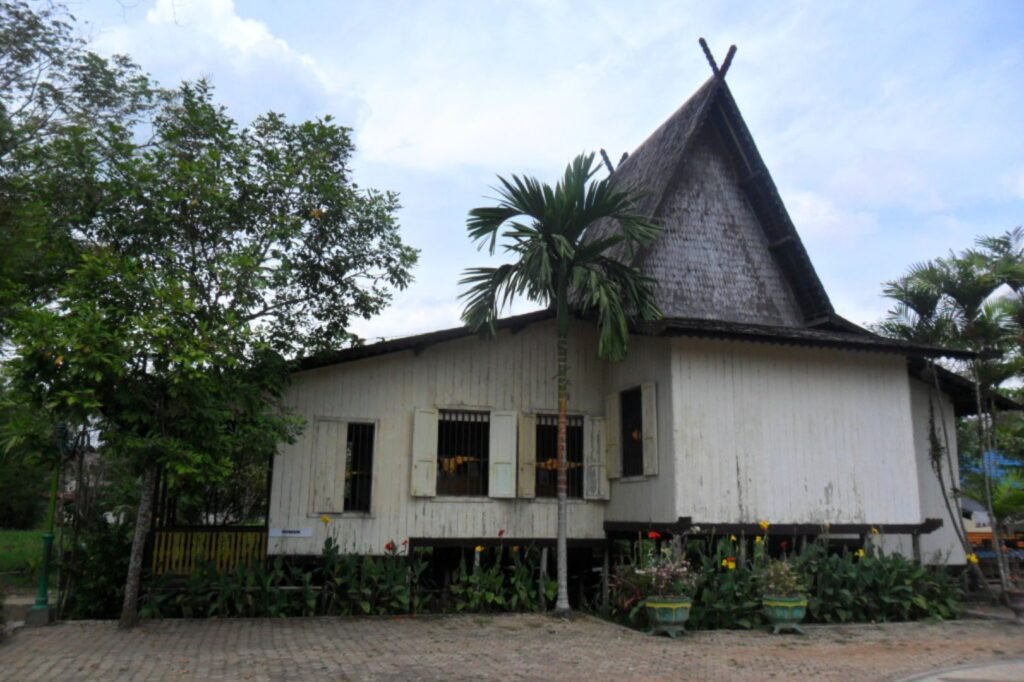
(542, 579)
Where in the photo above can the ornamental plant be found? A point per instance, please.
(780, 579)
(666, 575)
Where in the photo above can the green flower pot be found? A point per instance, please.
(668, 614)
(784, 613)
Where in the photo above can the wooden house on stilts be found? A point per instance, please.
(752, 400)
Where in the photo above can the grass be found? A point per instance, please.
(20, 555)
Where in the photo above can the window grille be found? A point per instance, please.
(547, 456)
(358, 467)
(463, 448)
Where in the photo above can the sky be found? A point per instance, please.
(892, 130)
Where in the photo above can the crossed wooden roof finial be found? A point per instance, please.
(719, 72)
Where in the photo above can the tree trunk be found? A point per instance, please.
(562, 603)
(130, 609)
(953, 506)
(986, 427)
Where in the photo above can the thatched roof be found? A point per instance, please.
(728, 250)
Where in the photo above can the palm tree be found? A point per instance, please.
(560, 261)
(953, 301)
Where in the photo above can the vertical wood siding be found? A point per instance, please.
(795, 435)
(940, 546)
(513, 373)
(646, 498)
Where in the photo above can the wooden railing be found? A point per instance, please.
(181, 550)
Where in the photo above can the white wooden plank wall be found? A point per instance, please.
(792, 435)
(646, 498)
(940, 546)
(513, 372)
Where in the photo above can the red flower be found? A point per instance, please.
(501, 532)
(784, 545)
(405, 542)
(654, 535)
(390, 547)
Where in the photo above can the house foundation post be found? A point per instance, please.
(543, 578)
(605, 569)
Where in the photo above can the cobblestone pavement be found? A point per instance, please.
(491, 647)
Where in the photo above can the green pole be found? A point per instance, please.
(43, 596)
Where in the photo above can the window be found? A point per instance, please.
(632, 434)
(463, 449)
(358, 467)
(547, 456)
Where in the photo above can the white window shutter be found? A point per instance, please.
(649, 396)
(527, 455)
(595, 471)
(424, 453)
(501, 476)
(330, 438)
(613, 429)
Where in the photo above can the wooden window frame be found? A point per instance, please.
(460, 455)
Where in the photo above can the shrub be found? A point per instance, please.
(95, 575)
(866, 586)
(869, 586)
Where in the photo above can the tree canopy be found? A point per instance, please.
(191, 257)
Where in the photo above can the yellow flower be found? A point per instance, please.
(972, 558)
(325, 519)
(765, 525)
(515, 548)
(874, 531)
(732, 565)
(725, 562)
(733, 538)
(479, 548)
(757, 540)
(860, 553)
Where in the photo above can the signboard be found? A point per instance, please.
(291, 532)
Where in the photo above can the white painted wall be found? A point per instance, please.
(788, 434)
(513, 372)
(746, 432)
(940, 546)
(646, 498)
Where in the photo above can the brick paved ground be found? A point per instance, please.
(490, 647)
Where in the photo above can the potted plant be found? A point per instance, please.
(668, 583)
(783, 595)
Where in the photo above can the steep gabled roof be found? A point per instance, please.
(729, 249)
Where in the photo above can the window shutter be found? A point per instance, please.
(329, 442)
(424, 453)
(612, 423)
(527, 455)
(595, 471)
(501, 476)
(650, 428)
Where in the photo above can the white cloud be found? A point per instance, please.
(819, 218)
(252, 69)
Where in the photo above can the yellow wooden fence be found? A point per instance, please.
(182, 551)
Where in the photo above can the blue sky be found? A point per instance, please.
(893, 130)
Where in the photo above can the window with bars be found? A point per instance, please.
(632, 434)
(547, 456)
(358, 467)
(463, 449)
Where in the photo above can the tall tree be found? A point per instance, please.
(206, 255)
(956, 301)
(49, 84)
(558, 261)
